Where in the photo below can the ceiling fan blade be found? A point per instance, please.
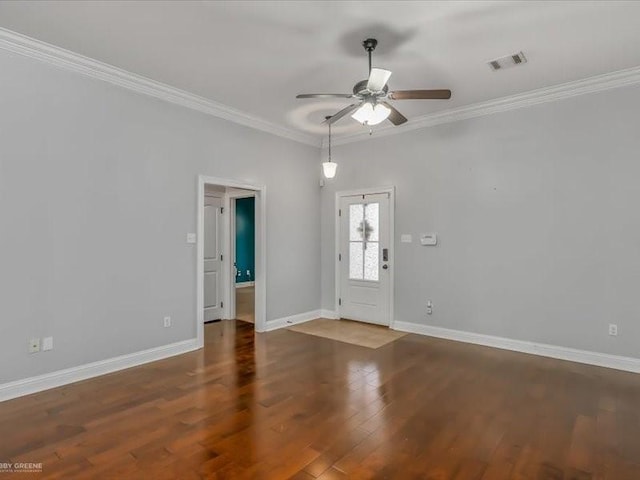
(325, 95)
(342, 113)
(395, 116)
(378, 78)
(420, 95)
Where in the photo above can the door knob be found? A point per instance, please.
(385, 266)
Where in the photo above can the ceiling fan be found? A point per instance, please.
(371, 107)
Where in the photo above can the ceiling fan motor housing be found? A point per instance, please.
(360, 88)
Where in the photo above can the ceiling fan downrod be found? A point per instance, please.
(370, 45)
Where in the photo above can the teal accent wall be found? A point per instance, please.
(245, 239)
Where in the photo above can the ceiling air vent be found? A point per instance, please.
(507, 61)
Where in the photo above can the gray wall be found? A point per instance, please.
(536, 211)
(98, 188)
(537, 215)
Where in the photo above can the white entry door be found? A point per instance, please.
(364, 258)
(212, 259)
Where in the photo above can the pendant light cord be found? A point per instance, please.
(329, 141)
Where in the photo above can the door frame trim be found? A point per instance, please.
(261, 251)
(391, 190)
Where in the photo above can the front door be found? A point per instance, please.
(364, 258)
(212, 259)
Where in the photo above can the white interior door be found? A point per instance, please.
(212, 258)
(364, 254)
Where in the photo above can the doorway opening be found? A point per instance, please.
(242, 217)
(217, 272)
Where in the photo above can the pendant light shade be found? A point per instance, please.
(329, 168)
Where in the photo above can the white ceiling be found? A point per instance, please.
(256, 56)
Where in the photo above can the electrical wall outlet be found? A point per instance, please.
(429, 307)
(34, 345)
(167, 322)
(613, 329)
(47, 344)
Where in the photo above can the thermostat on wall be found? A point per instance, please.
(428, 239)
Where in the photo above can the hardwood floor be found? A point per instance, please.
(245, 304)
(289, 405)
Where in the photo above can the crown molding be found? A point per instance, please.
(594, 84)
(23, 45)
(29, 47)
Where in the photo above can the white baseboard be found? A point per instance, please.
(292, 320)
(628, 364)
(39, 383)
(245, 284)
(329, 314)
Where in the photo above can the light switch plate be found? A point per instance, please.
(47, 344)
(406, 238)
(191, 238)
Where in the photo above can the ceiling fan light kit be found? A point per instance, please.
(371, 108)
(370, 114)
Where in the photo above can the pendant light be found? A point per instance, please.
(329, 168)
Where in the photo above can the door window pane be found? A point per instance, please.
(356, 214)
(371, 261)
(355, 261)
(371, 222)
